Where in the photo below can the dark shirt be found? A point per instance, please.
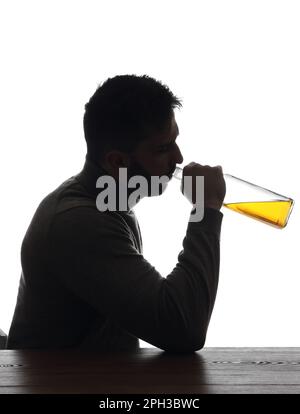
(85, 283)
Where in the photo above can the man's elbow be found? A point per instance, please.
(188, 343)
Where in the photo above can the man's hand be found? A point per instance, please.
(214, 184)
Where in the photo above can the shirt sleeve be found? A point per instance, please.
(94, 256)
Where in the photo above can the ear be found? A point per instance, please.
(115, 160)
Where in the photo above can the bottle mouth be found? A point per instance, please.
(178, 173)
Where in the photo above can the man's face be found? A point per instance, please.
(158, 155)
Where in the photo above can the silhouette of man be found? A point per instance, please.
(85, 283)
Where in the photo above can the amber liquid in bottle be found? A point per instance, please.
(274, 212)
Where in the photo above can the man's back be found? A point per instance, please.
(48, 313)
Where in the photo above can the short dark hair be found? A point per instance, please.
(125, 110)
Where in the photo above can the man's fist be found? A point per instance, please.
(214, 184)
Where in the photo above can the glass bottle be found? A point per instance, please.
(254, 201)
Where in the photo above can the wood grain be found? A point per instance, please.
(212, 370)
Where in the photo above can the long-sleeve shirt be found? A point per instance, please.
(85, 283)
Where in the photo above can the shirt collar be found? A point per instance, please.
(89, 174)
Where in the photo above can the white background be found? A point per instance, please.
(236, 66)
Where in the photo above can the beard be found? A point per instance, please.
(136, 169)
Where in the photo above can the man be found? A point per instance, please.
(85, 283)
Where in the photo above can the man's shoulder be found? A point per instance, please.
(69, 195)
(70, 212)
(73, 202)
(67, 200)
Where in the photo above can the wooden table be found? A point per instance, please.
(151, 371)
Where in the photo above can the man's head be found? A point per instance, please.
(129, 122)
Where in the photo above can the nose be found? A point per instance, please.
(178, 158)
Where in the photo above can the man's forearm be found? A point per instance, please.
(189, 292)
